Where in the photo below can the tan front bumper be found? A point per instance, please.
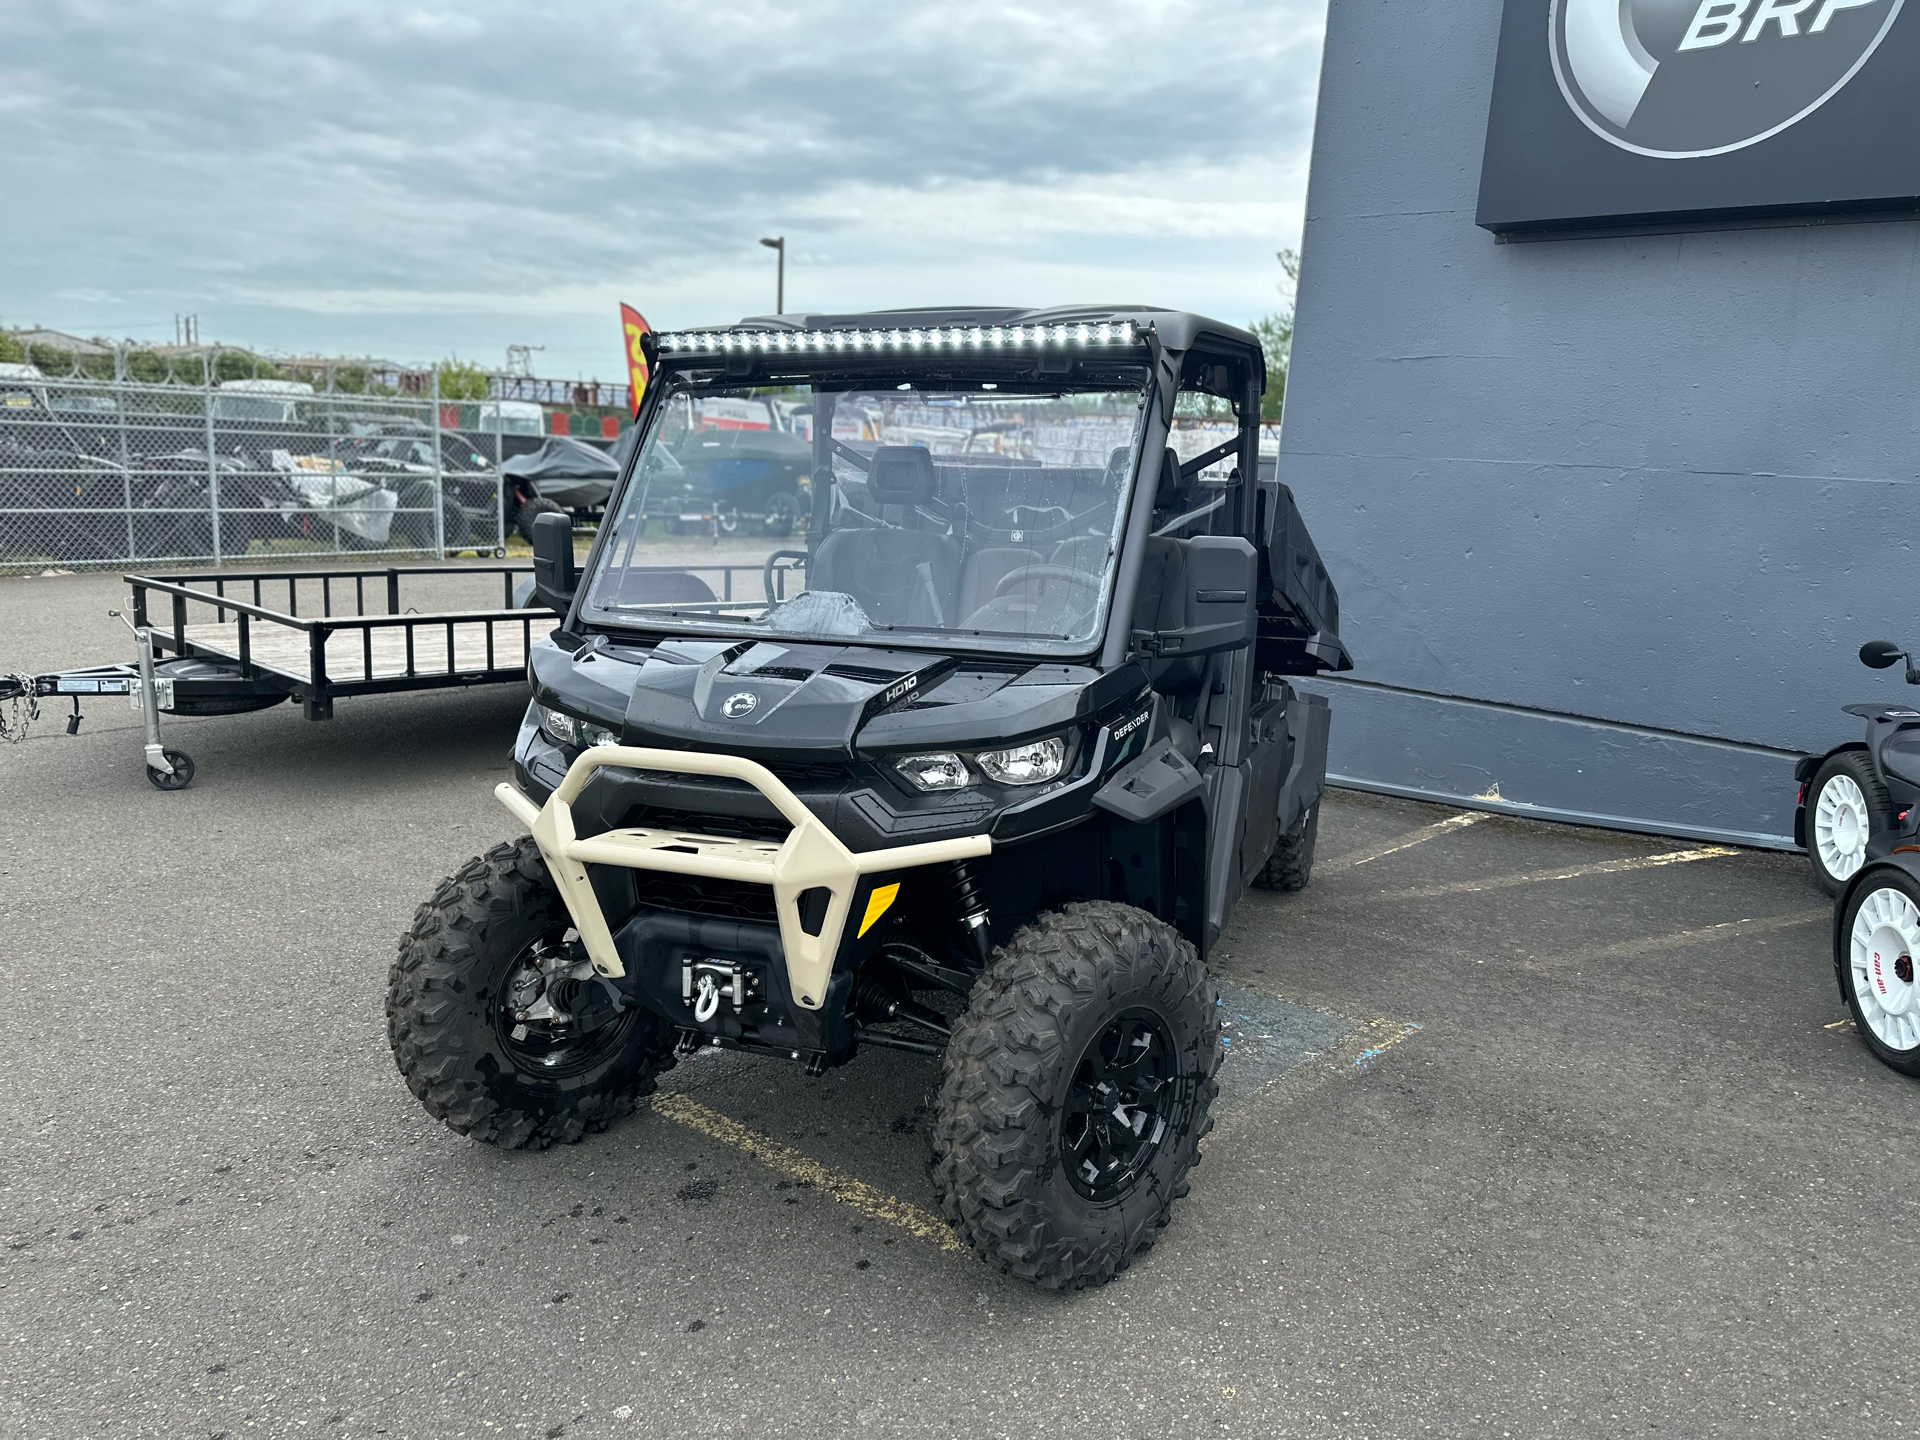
(811, 856)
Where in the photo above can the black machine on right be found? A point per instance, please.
(1859, 820)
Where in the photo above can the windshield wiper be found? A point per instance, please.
(954, 630)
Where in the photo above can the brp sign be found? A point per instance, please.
(1685, 79)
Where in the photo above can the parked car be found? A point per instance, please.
(58, 499)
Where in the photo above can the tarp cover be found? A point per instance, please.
(567, 471)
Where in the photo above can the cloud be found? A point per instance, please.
(407, 179)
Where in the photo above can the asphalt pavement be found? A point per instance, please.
(1530, 1131)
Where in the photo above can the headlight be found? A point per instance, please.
(564, 729)
(939, 771)
(1030, 764)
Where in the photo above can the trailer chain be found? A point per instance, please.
(19, 711)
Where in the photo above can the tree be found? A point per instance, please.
(1276, 336)
(462, 381)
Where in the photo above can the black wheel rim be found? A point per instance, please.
(540, 972)
(1120, 1106)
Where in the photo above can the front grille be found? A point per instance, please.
(694, 822)
(810, 772)
(700, 895)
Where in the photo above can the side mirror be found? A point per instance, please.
(554, 578)
(1881, 654)
(1223, 579)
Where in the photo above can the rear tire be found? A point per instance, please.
(448, 1006)
(455, 529)
(1290, 866)
(1846, 803)
(1029, 1165)
(524, 517)
(1875, 952)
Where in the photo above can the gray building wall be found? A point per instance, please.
(1609, 517)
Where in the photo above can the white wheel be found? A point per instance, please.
(1881, 945)
(1841, 824)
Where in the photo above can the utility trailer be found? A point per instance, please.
(215, 644)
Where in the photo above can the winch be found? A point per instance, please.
(706, 983)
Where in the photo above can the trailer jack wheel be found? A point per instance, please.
(181, 777)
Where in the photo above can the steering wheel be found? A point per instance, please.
(1016, 576)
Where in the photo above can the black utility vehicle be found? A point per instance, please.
(1859, 818)
(978, 772)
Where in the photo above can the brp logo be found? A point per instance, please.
(739, 704)
(1682, 79)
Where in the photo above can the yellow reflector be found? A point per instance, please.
(877, 904)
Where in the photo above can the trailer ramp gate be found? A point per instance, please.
(217, 645)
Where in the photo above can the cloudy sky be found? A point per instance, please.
(415, 180)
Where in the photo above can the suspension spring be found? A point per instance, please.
(971, 907)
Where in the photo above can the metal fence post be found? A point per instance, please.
(332, 409)
(502, 488)
(121, 396)
(213, 468)
(439, 476)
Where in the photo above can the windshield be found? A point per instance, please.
(982, 518)
(252, 407)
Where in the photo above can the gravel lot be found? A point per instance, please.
(1534, 1131)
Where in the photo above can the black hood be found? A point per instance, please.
(770, 698)
(767, 696)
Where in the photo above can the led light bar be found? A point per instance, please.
(974, 339)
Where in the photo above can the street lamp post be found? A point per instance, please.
(779, 246)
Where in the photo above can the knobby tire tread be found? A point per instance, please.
(441, 953)
(994, 1148)
(1290, 866)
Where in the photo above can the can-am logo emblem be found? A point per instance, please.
(1682, 79)
(738, 704)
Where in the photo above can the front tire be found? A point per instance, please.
(1077, 1088)
(491, 946)
(1875, 954)
(1846, 803)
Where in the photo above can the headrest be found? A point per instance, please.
(1168, 494)
(901, 475)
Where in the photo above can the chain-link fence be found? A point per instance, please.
(112, 472)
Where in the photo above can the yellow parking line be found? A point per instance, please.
(1571, 872)
(1407, 841)
(855, 1194)
(1682, 939)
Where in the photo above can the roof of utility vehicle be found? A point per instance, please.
(1177, 329)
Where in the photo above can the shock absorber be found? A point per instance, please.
(964, 891)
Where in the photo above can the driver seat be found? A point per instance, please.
(985, 569)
